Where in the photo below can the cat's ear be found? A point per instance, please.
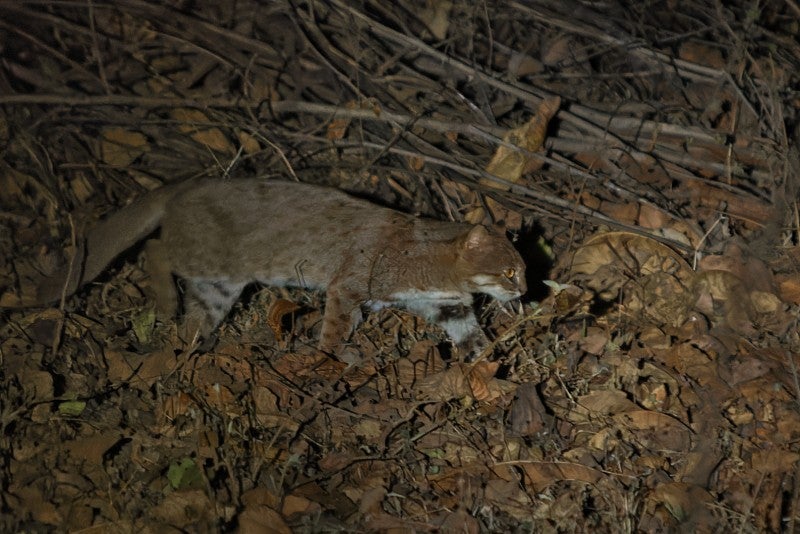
(476, 237)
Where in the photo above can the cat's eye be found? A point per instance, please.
(509, 273)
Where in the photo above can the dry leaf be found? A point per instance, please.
(687, 503)
(120, 147)
(11, 300)
(155, 366)
(540, 475)
(528, 414)
(556, 51)
(92, 448)
(415, 163)
(436, 17)
(195, 123)
(337, 128)
(606, 402)
(305, 365)
(655, 430)
(125, 137)
(701, 53)
(764, 302)
(423, 359)
(497, 214)
(652, 395)
(249, 143)
(259, 518)
(277, 311)
(370, 501)
(744, 266)
(722, 298)
(39, 385)
(510, 164)
(521, 65)
(593, 340)
(790, 288)
(444, 386)
(173, 406)
(480, 378)
(220, 398)
(460, 521)
(297, 504)
(650, 217)
(184, 508)
(40, 508)
(656, 279)
(81, 187)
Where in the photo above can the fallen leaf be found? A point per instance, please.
(276, 314)
(249, 143)
(789, 286)
(197, 124)
(258, 519)
(510, 164)
(297, 504)
(656, 279)
(480, 377)
(436, 17)
(337, 128)
(540, 475)
(185, 475)
(444, 386)
(528, 415)
(687, 503)
(655, 430)
(606, 402)
(184, 508)
(120, 147)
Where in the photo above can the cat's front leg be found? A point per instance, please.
(461, 326)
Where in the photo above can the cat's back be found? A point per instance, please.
(273, 224)
(250, 200)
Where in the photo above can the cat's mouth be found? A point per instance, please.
(500, 294)
(490, 286)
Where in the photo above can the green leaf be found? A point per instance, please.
(143, 324)
(72, 408)
(184, 475)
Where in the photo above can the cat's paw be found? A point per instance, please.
(193, 331)
(472, 348)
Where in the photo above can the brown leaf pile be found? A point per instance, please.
(647, 149)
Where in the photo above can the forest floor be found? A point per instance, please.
(643, 155)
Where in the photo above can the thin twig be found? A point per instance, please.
(59, 328)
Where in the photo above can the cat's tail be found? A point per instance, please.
(107, 240)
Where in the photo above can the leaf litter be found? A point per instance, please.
(643, 155)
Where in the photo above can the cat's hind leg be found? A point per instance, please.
(206, 303)
(158, 265)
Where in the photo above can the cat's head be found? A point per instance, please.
(489, 264)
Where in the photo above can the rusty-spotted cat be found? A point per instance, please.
(218, 236)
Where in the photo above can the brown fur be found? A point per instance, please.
(221, 235)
